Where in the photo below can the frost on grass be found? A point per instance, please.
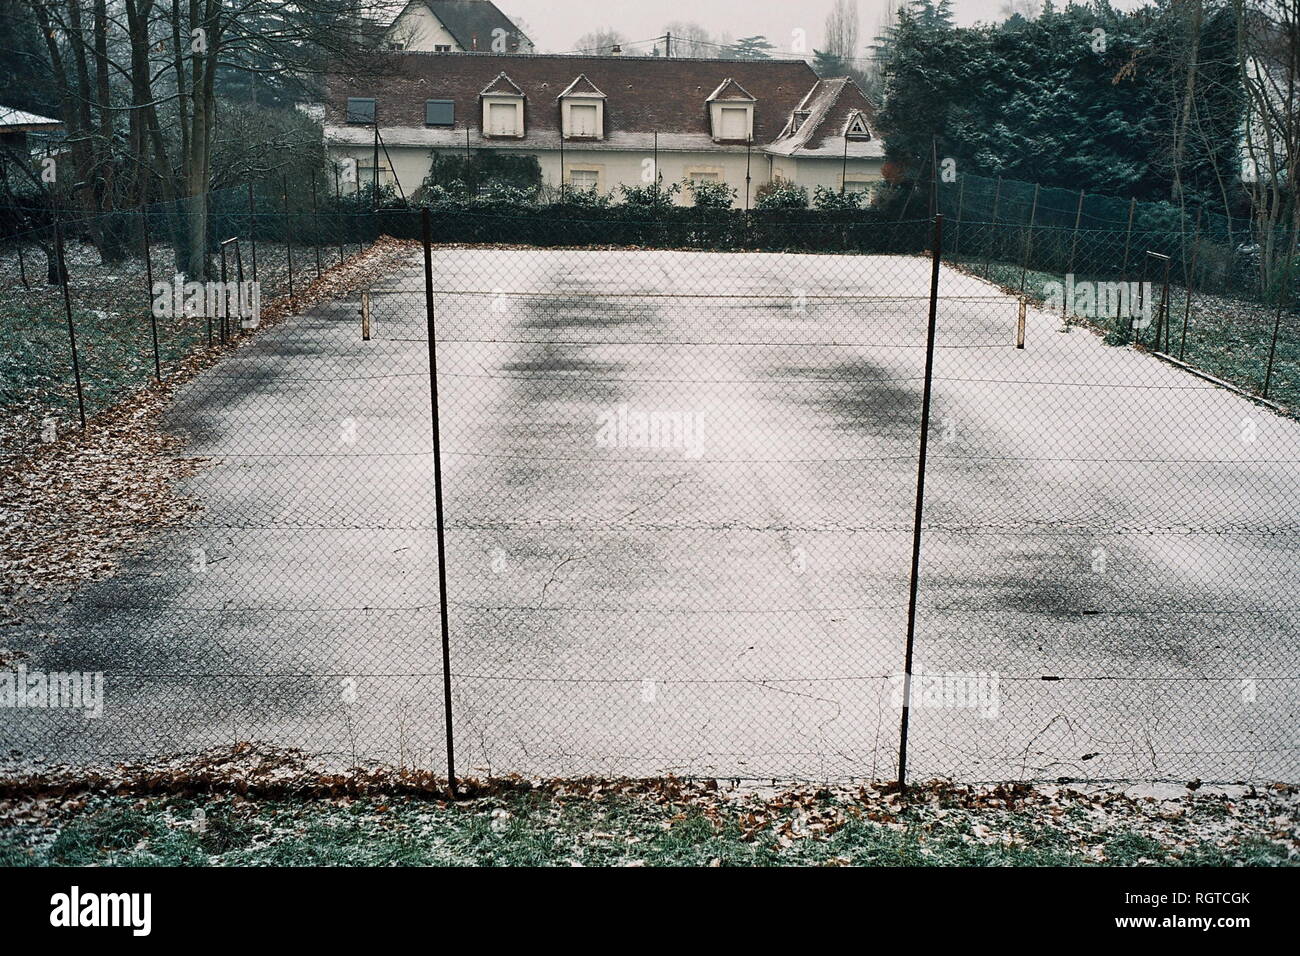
(258, 804)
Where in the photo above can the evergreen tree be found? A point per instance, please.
(751, 48)
(829, 65)
(1043, 101)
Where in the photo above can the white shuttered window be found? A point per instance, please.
(503, 119)
(735, 123)
(582, 120)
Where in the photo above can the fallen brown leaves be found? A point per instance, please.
(70, 509)
(780, 816)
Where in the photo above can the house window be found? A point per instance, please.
(442, 48)
(366, 175)
(735, 123)
(704, 175)
(857, 185)
(503, 119)
(361, 109)
(584, 120)
(585, 179)
(439, 113)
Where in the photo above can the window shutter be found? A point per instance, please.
(734, 123)
(439, 113)
(501, 119)
(361, 109)
(582, 120)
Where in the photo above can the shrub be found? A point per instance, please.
(586, 198)
(484, 168)
(780, 194)
(654, 196)
(504, 193)
(711, 194)
(826, 198)
(431, 195)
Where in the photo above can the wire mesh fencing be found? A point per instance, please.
(1223, 288)
(648, 511)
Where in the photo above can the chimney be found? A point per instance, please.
(473, 42)
(616, 51)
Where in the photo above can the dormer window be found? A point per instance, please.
(731, 113)
(800, 117)
(503, 109)
(361, 110)
(439, 113)
(857, 127)
(582, 110)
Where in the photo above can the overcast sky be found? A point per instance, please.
(555, 25)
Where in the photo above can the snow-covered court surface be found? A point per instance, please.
(680, 491)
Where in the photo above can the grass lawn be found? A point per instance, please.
(110, 313)
(658, 823)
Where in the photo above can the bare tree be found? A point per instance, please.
(872, 78)
(842, 30)
(599, 42)
(692, 40)
(1029, 9)
(144, 73)
(1269, 57)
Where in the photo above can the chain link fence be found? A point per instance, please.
(1221, 292)
(637, 511)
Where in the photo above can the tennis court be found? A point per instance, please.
(679, 493)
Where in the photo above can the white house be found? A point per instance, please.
(455, 26)
(23, 134)
(598, 122)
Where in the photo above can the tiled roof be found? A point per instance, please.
(729, 89)
(501, 86)
(582, 87)
(471, 22)
(644, 95)
(829, 107)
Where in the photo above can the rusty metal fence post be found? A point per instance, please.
(288, 236)
(956, 238)
(1189, 285)
(252, 230)
(221, 328)
(988, 246)
(1272, 351)
(339, 220)
(153, 318)
(936, 255)
(66, 281)
(1029, 239)
(426, 231)
(315, 225)
(22, 265)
